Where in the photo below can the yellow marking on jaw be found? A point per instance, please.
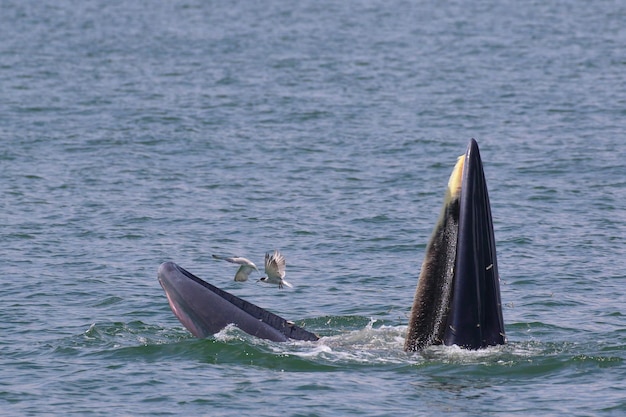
(454, 183)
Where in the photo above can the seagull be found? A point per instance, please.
(275, 269)
(244, 270)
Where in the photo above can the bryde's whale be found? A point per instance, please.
(457, 301)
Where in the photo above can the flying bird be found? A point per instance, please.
(246, 268)
(275, 269)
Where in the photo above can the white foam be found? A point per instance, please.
(378, 345)
(368, 345)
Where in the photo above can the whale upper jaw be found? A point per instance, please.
(205, 309)
(457, 300)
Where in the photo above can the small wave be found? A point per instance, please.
(372, 343)
(383, 344)
(101, 337)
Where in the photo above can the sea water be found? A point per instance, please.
(140, 132)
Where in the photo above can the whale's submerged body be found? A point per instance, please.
(457, 300)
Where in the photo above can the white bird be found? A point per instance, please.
(275, 269)
(246, 268)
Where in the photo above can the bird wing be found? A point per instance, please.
(244, 272)
(275, 265)
(237, 260)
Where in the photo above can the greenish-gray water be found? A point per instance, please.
(135, 133)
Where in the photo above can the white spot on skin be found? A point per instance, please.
(489, 267)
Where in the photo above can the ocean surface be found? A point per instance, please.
(138, 132)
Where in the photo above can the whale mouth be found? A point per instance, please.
(457, 299)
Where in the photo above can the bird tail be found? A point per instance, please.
(218, 257)
(286, 284)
